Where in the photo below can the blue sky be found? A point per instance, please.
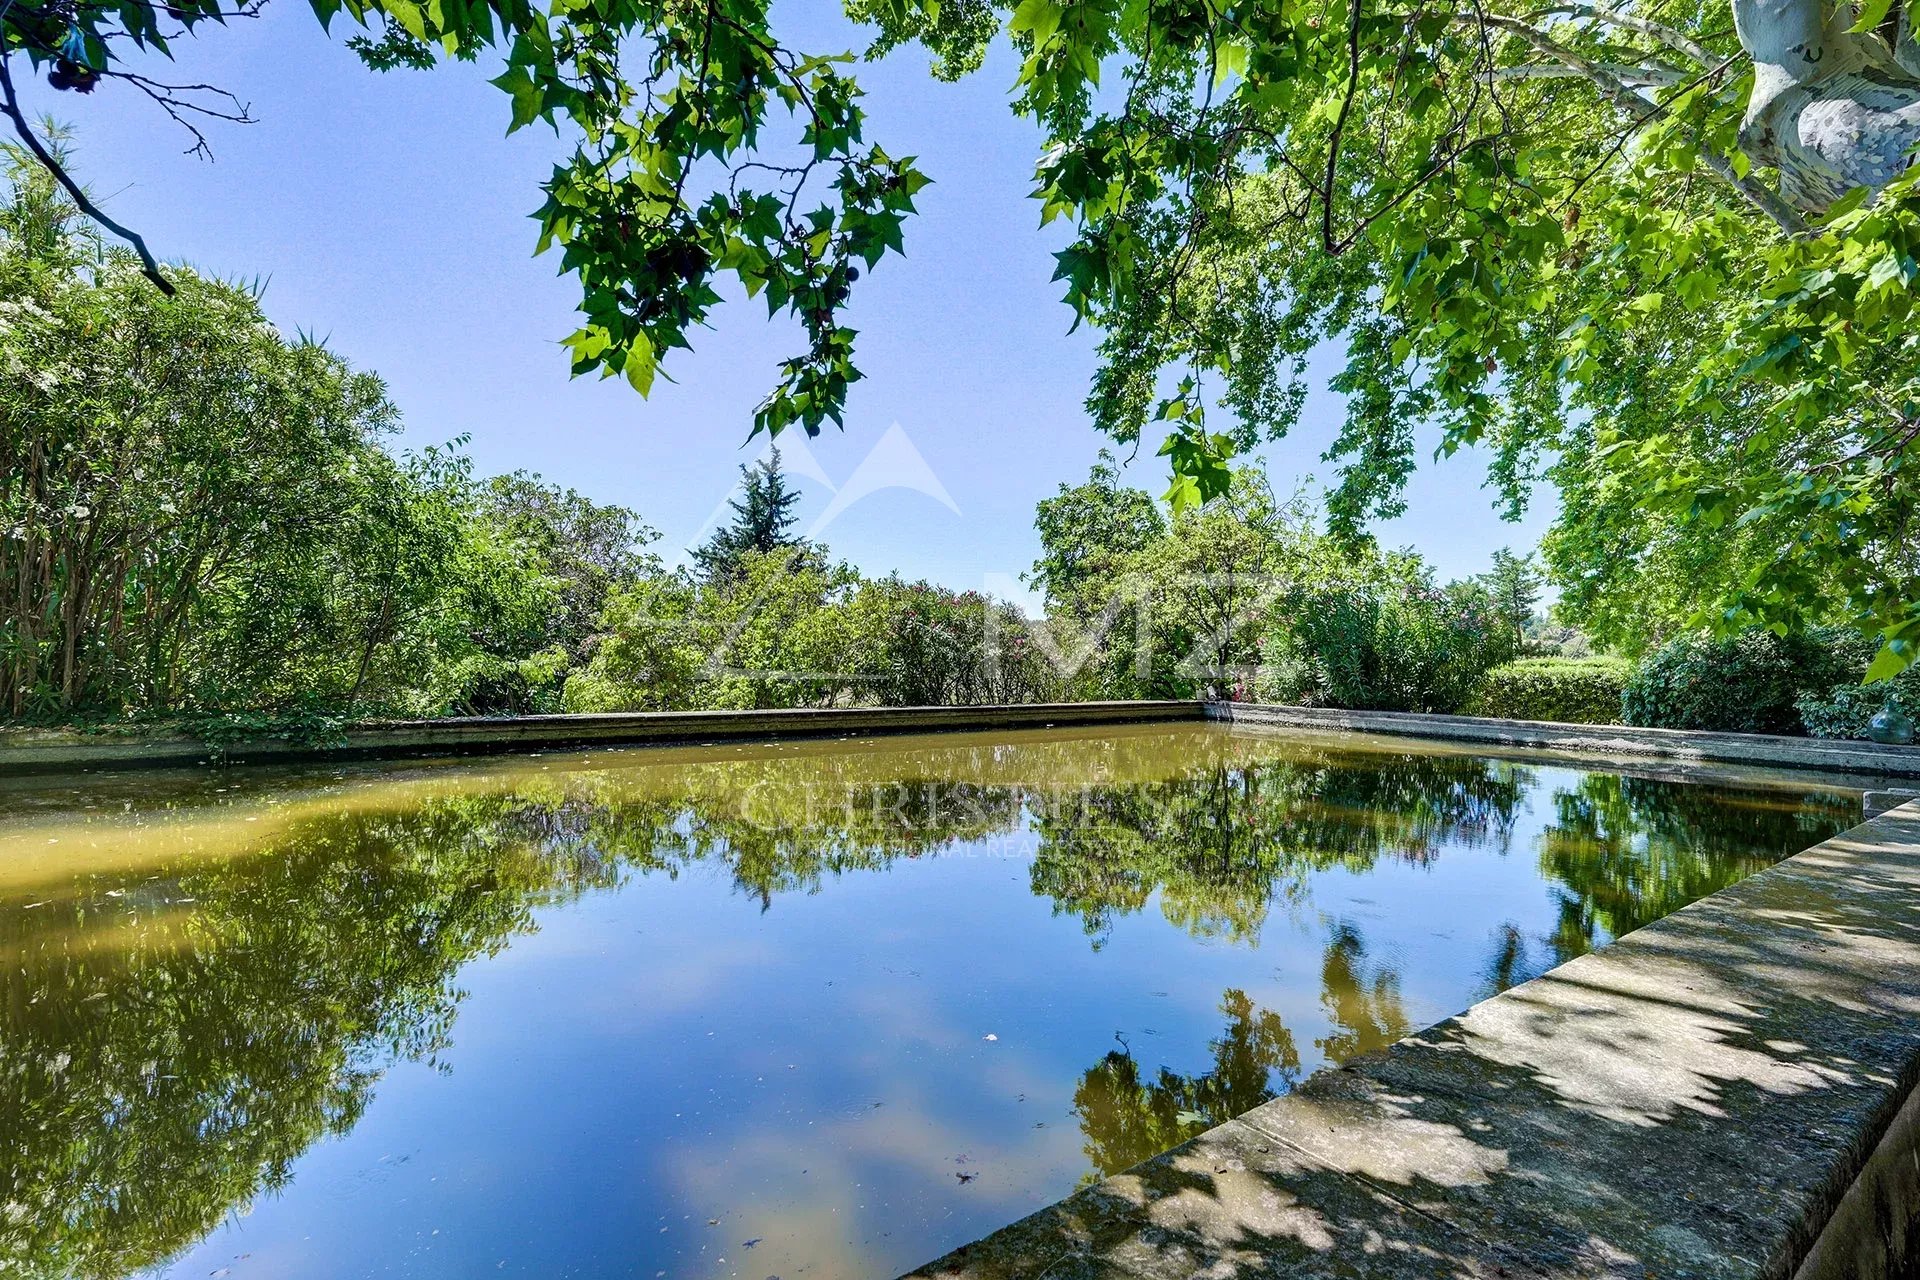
(388, 214)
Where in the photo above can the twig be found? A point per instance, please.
(11, 105)
(1621, 95)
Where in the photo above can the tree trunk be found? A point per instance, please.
(1831, 109)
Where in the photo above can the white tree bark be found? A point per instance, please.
(1831, 109)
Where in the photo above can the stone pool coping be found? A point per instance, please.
(60, 749)
(1727, 1093)
(44, 750)
(1589, 740)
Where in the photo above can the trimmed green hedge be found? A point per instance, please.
(1569, 690)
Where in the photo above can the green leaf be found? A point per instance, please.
(1893, 658)
(1871, 14)
(408, 15)
(1037, 18)
(1230, 59)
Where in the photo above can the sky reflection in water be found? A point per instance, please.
(811, 1010)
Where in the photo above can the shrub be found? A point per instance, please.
(925, 645)
(1843, 710)
(1569, 690)
(652, 657)
(1415, 649)
(1746, 683)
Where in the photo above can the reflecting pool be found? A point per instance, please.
(813, 1009)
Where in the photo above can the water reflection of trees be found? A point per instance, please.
(1127, 1117)
(1622, 852)
(190, 1011)
(1362, 1001)
(1217, 831)
(172, 1044)
(1219, 843)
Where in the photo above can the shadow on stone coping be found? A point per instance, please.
(1688, 1104)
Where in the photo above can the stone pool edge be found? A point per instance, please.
(1589, 740)
(1726, 1093)
(45, 750)
(62, 749)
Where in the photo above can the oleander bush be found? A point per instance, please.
(1569, 690)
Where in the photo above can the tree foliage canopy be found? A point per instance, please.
(1663, 258)
(198, 515)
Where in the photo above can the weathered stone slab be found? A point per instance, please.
(49, 749)
(1691, 1103)
(1233, 1202)
(1575, 741)
(1877, 802)
(1875, 1233)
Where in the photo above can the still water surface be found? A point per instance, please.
(809, 1010)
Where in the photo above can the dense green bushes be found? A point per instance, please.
(1844, 710)
(1246, 597)
(1745, 683)
(1391, 647)
(1568, 690)
(786, 628)
(1752, 682)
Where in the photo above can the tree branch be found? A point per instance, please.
(1672, 38)
(1633, 77)
(10, 103)
(1622, 95)
(1339, 127)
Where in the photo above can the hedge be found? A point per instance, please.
(1569, 690)
(1845, 710)
(1745, 683)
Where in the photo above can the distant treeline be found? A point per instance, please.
(201, 521)
(200, 518)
